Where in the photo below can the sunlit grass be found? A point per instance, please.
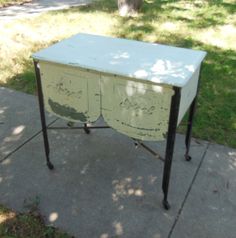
(4, 3)
(22, 37)
(206, 25)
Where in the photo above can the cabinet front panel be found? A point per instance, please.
(70, 93)
(136, 109)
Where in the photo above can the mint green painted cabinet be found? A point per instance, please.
(139, 110)
(129, 83)
(141, 89)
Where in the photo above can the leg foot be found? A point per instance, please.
(165, 204)
(187, 157)
(50, 165)
(86, 129)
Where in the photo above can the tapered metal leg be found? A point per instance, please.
(190, 120)
(42, 115)
(173, 119)
(189, 128)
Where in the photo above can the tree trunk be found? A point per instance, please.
(129, 7)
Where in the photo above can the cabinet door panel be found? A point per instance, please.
(138, 110)
(70, 93)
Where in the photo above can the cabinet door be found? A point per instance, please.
(136, 109)
(70, 93)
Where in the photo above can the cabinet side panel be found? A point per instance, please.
(136, 109)
(70, 93)
(188, 92)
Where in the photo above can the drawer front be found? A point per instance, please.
(70, 93)
(136, 109)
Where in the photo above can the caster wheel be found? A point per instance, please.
(166, 205)
(188, 158)
(86, 129)
(50, 165)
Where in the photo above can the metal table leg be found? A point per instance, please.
(173, 119)
(189, 128)
(42, 115)
(190, 121)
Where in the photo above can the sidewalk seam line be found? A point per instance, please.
(188, 191)
(25, 142)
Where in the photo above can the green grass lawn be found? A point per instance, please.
(206, 25)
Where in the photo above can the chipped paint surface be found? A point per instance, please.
(79, 82)
(136, 109)
(70, 93)
(147, 62)
(139, 110)
(66, 110)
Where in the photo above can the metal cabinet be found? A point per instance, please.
(142, 90)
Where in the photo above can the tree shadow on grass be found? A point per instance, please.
(107, 6)
(229, 7)
(200, 16)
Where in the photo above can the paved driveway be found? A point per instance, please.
(36, 7)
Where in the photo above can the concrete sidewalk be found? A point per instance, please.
(37, 7)
(102, 186)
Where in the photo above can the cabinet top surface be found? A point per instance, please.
(144, 61)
